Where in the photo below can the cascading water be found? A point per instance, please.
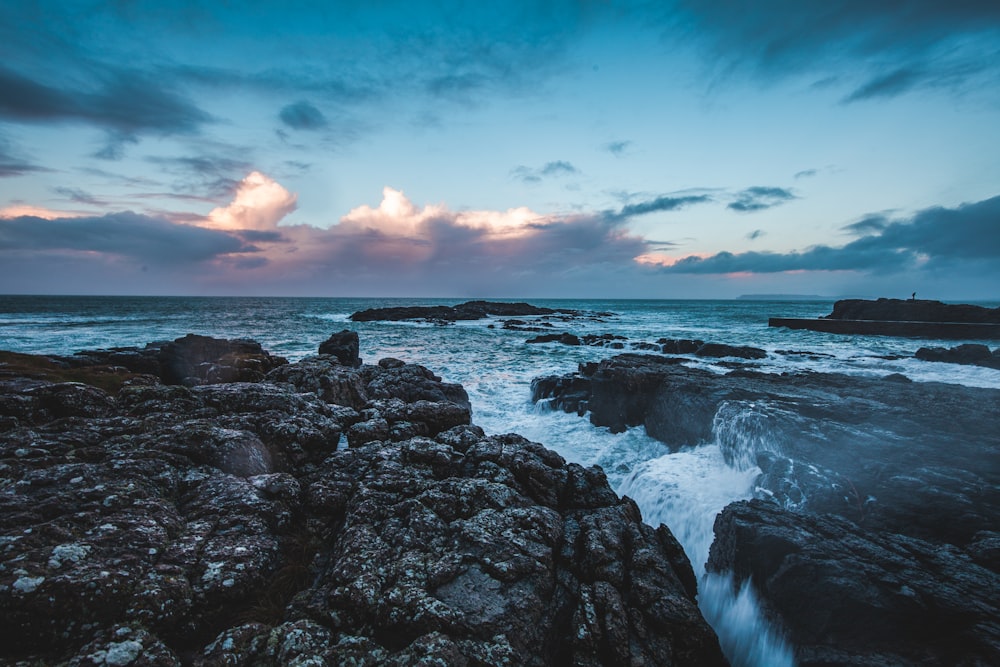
(686, 490)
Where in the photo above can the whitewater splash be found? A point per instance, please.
(686, 490)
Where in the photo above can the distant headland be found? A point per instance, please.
(920, 318)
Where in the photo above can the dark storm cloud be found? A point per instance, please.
(760, 198)
(879, 49)
(124, 102)
(127, 234)
(549, 169)
(933, 237)
(303, 116)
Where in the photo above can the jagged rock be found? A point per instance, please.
(680, 346)
(326, 377)
(344, 346)
(847, 596)
(221, 524)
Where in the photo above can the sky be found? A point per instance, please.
(590, 149)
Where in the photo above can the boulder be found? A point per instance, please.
(344, 346)
(194, 360)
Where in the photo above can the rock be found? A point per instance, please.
(193, 360)
(680, 346)
(969, 354)
(885, 598)
(326, 377)
(470, 310)
(722, 350)
(222, 524)
(900, 456)
(344, 346)
(878, 541)
(564, 338)
(910, 310)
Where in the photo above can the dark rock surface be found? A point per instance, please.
(343, 345)
(878, 543)
(969, 354)
(222, 524)
(470, 310)
(849, 596)
(190, 360)
(910, 310)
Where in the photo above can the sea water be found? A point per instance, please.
(683, 489)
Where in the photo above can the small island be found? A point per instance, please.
(902, 317)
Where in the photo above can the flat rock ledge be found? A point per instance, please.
(231, 524)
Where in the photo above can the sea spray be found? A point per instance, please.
(686, 490)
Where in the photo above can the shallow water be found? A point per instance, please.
(685, 489)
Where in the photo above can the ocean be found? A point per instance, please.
(684, 489)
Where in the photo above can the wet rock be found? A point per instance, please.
(968, 354)
(564, 338)
(885, 598)
(344, 346)
(722, 350)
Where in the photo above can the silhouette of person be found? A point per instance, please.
(914, 297)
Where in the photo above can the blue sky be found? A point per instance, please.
(517, 149)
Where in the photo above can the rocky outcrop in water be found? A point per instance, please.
(343, 345)
(470, 310)
(912, 310)
(885, 464)
(228, 524)
(968, 354)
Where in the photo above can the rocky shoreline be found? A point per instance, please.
(875, 535)
(203, 502)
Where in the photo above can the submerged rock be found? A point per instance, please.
(227, 524)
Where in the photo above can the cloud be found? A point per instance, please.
(549, 169)
(877, 49)
(806, 173)
(206, 177)
(755, 234)
(618, 148)
(130, 235)
(662, 203)
(12, 163)
(303, 116)
(760, 198)
(124, 102)
(870, 224)
(260, 204)
(931, 239)
(79, 196)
